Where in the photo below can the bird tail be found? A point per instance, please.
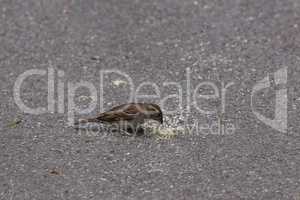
(83, 121)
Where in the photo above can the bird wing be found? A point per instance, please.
(131, 108)
(120, 107)
(124, 112)
(115, 116)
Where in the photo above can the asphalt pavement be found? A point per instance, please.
(233, 65)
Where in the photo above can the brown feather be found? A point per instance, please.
(137, 112)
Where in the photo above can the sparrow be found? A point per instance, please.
(128, 116)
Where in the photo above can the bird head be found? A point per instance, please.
(154, 112)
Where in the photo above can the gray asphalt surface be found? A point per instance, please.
(229, 41)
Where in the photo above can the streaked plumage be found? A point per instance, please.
(129, 115)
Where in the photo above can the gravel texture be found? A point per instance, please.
(220, 41)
